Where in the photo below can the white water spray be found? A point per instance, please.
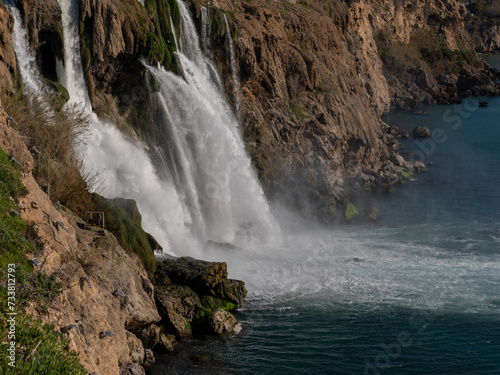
(214, 173)
(126, 170)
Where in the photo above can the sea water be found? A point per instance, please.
(416, 293)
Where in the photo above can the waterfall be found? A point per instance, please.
(208, 189)
(234, 68)
(33, 82)
(214, 173)
(206, 29)
(172, 27)
(126, 170)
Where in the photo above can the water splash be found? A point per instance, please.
(125, 167)
(202, 135)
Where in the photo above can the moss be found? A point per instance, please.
(60, 96)
(350, 211)
(122, 218)
(407, 175)
(296, 109)
(372, 213)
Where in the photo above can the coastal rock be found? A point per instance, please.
(177, 305)
(204, 278)
(219, 322)
(167, 342)
(421, 132)
(398, 132)
(150, 336)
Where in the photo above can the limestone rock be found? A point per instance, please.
(136, 348)
(177, 305)
(220, 322)
(132, 369)
(8, 65)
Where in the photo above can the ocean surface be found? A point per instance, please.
(416, 293)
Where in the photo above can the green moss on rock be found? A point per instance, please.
(122, 218)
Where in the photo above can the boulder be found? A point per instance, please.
(177, 306)
(398, 132)
(219, 322)
(204, 278)
(167, 342)
(421, 132)
(136, 348)
(149, 358)
(132, 369)
(150, 336)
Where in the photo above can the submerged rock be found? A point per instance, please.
(421, 132)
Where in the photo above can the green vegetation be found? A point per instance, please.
(162, 42)
(407, 175)
(122, 218)
(39, 349)
(350, 211)
(296, 109)
(427, 49)
(54, 134)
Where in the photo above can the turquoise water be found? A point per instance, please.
(417, 293)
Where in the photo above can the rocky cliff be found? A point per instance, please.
(316, 76)
(8, 65)
(94, 294)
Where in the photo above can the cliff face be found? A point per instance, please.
(8, 66)
(316, 76)
(45, 33)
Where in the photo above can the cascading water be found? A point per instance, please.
(125, 168)
(214, 173)
(33, 82)
(234, 68)
(206, 29)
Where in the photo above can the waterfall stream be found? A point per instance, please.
(208, 189)
(202, 134)
(234, 68)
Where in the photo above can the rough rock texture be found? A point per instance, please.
(312, 92)
(486, 37)
(313, 87)
(220, 322)
(198, 304)
(45, 33)
(8, 65)
(79, 257)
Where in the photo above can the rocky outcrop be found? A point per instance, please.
(8, 66)
(195, 296)
(421, 132)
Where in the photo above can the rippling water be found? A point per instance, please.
(418, 293)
